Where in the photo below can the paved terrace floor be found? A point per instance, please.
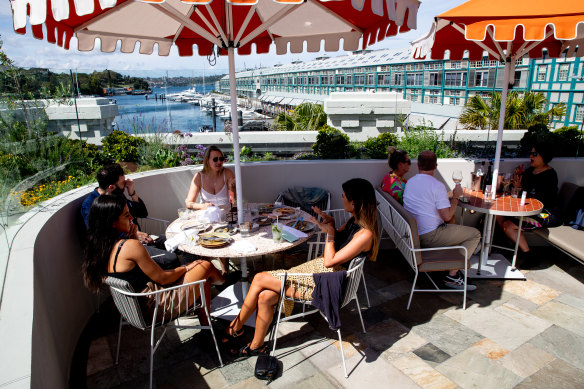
(513, 334)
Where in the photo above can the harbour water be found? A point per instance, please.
(138, 114)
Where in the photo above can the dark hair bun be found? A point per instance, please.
(391, 149)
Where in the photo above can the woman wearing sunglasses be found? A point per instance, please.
(540, 181)
(394, 182)
(212, 183)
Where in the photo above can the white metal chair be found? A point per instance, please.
(402, 228)
(126, 301)
(316, 248)
(354, 274)
(153, 225)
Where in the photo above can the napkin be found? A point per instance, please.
(172, 243)
(180, 238)
(243, 247)
(292, 234)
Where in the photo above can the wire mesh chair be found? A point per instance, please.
(126, 301)
(354, 275)
(316, 248)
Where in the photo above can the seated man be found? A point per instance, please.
(112, 181)
(427, 200)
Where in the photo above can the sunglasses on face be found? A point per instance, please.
(534, 153)
(222, 159)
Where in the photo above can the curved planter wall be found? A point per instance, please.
(44, 303)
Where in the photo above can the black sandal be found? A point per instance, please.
(247, 351)
(229, 338)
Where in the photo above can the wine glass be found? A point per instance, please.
(457, 178)
(506, 182)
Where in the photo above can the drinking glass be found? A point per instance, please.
(245, 229)
(506, 182)
(515, 191)
(276, 232)
(457, 176)
(183, 213)
(488, 193)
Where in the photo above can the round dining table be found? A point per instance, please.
(508, 206)
(259, 242)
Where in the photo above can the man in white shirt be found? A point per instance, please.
(427, 200)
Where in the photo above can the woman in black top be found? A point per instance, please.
(540, 181)
(108, 254)
(359, 235)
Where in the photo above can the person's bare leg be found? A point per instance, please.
(510, 230)
(266, 303)
(261, 282)
(224, 262)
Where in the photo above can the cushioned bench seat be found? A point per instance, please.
(566, 238)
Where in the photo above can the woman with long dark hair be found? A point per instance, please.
(358, 235)
(108, 254)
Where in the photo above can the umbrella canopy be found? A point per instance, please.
(228, 25)
(506, 31)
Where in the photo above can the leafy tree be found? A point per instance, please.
(376, 148)
(331, 144)
(122, 147)
(306, 117)
(522, 110)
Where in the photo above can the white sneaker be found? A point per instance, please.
(457, 282)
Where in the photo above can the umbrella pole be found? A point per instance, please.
(506, 76)
(235, 132)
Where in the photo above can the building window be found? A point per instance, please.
(435, 79)
(541, 72)
(579, 117)
(455, 79)
(481, 79)
(383, 79)
(398, 79)
(359, 79)
(371, 79)
(414, 79)
(563, 72)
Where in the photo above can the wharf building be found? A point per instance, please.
(437, 89)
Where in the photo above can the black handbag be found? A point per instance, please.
(266, 367)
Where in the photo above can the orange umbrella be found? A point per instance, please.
(506, 30)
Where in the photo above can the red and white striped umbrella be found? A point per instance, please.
(228, 25)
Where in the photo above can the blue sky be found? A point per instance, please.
(27, 51)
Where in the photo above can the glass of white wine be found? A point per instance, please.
(457, 178)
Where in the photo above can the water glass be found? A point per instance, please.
(183, 213)
(245, 229)
(277, 233)
(488, 193)
(515, 192)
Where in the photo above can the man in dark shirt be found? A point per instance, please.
(112, 181)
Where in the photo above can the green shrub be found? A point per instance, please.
(376, 148)
(122, 147)
(331, 144)
(246, 151)
(565, 141)
(420, 138)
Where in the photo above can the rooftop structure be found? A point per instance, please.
(431, 82)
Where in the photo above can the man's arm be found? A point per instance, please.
(447, 213)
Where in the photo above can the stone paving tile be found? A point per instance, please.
(562, 344)
(557, 279)
(471, 369)
(99, 357)
(431, 354)
(186, 375)
(557, 374)
(391, 336)
(316, 382)
(236, 371)
(489, 293)
(531, 290)
(522, 304)
(490, 349)
(448, 334)
(395, 290)
(422, 373)
(563, 315)
(249, 383)
(519, 326)
(526, 360)
(370, 371)
(571, 300)
(104, 379)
